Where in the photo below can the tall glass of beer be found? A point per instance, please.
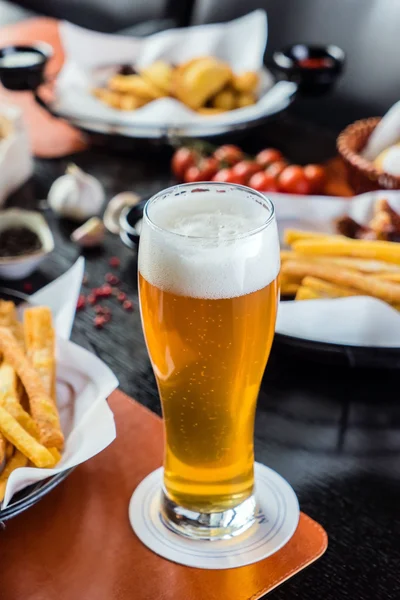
(208, 283)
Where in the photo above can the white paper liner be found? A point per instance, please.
(240, 42)
(358, 321)
(83, 384)
(276, 523)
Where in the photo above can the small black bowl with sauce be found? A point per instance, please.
(314, 68)
(22, 67)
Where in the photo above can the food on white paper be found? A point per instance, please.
(385, 134)
(384, 224)
(30, 430)
(388, 160)
(204, 84)
(76, 195)
(319, 265)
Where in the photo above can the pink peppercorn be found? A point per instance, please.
(104, 291)
(114, 262)
(99, 322)
(128, 305)
(80, 305)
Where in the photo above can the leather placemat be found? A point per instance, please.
(77, 541)
(49, 137)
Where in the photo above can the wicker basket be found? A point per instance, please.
(362, 175)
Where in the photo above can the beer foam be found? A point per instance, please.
(202, 245)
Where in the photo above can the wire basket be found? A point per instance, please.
(362, 175)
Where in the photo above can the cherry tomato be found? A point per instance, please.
(268, 156)
(208, 167)
(226, 176)
(293, 181)
(263, 182)
(192, 174)
(245, 169)
(276, 168)
(229, 154)
(182, 159)
(316, 177)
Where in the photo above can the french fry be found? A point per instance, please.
(8, 313)
(364, 265)
(295, 235)
(287, 254)
(328, 289)
(10, 401)
(40, 344)
(9, 450)
(289, 289)
(358, 264)
(3, 445)
(387, 251)
(14, 462)
(8, 318)
(384, 290)
(305, 293)
(42, 407)
(25, 443)
(394, 277)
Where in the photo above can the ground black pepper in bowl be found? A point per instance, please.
(18, 241)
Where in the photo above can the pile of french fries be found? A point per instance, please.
(204, 84)
(319, 265)
(30, 431)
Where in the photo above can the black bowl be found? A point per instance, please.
(315, 69)
(22, 67)
(129, 217)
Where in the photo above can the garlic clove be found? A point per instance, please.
(90, 233)
(115, 207)
(76, 195)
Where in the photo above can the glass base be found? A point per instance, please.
(208, 526)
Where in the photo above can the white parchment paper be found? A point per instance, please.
(240, 42)
(358, 321)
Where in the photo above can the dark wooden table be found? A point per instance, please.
(334, 433)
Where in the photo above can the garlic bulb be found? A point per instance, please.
(76, 195)
(90, 233)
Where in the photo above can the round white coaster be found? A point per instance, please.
(275, 524)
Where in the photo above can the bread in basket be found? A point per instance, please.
(363, 176)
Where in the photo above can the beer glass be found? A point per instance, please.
(208, 269)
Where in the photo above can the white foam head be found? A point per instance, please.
(209, 241)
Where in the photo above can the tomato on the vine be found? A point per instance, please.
(268, 156)
(226, 176)
(192, 174)
(316, 177)
(276, 168)
(245, 169)
(208, 167)
(229, 154)
(263, 182)
(182, 159)
(293, 181)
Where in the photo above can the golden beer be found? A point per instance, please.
(208, 357)
(208, 271)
